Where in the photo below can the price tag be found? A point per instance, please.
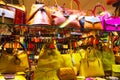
(9, 76)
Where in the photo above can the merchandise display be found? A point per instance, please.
(55, 42)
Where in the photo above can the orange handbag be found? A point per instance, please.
(94, 21)
(66, 73)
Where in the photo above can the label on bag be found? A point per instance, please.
(9, 76)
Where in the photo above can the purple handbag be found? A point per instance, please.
(112, 24)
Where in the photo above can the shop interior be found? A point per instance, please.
(59, 39)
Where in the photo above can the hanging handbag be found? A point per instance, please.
(112, 23)
(38, 15)
(91, 65)
(13, 58)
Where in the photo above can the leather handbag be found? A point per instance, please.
(95, 21)
(20, 13)
(73, 15)
(38, 15)
(13, 58)
(15, 12)
(112, 24)
(91, 65)
(102, 15)
(64, 17)
(57, 14)
(92, 22)
(66, 73)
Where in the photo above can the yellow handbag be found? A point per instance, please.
(116, 70)
(91, 65)
(76, 58)
(13, 60)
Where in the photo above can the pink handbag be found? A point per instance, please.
(64, 17)
(38, 15)
(112, 24)
(57, 15)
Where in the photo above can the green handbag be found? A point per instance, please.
(108, 60)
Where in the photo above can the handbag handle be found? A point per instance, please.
(95, 56)
(77, 2)
(89, 49)
(13, 41)
(95, 8)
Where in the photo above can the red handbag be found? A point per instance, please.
(20, 17)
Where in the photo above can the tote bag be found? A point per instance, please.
(91, 67)
(13, 60)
